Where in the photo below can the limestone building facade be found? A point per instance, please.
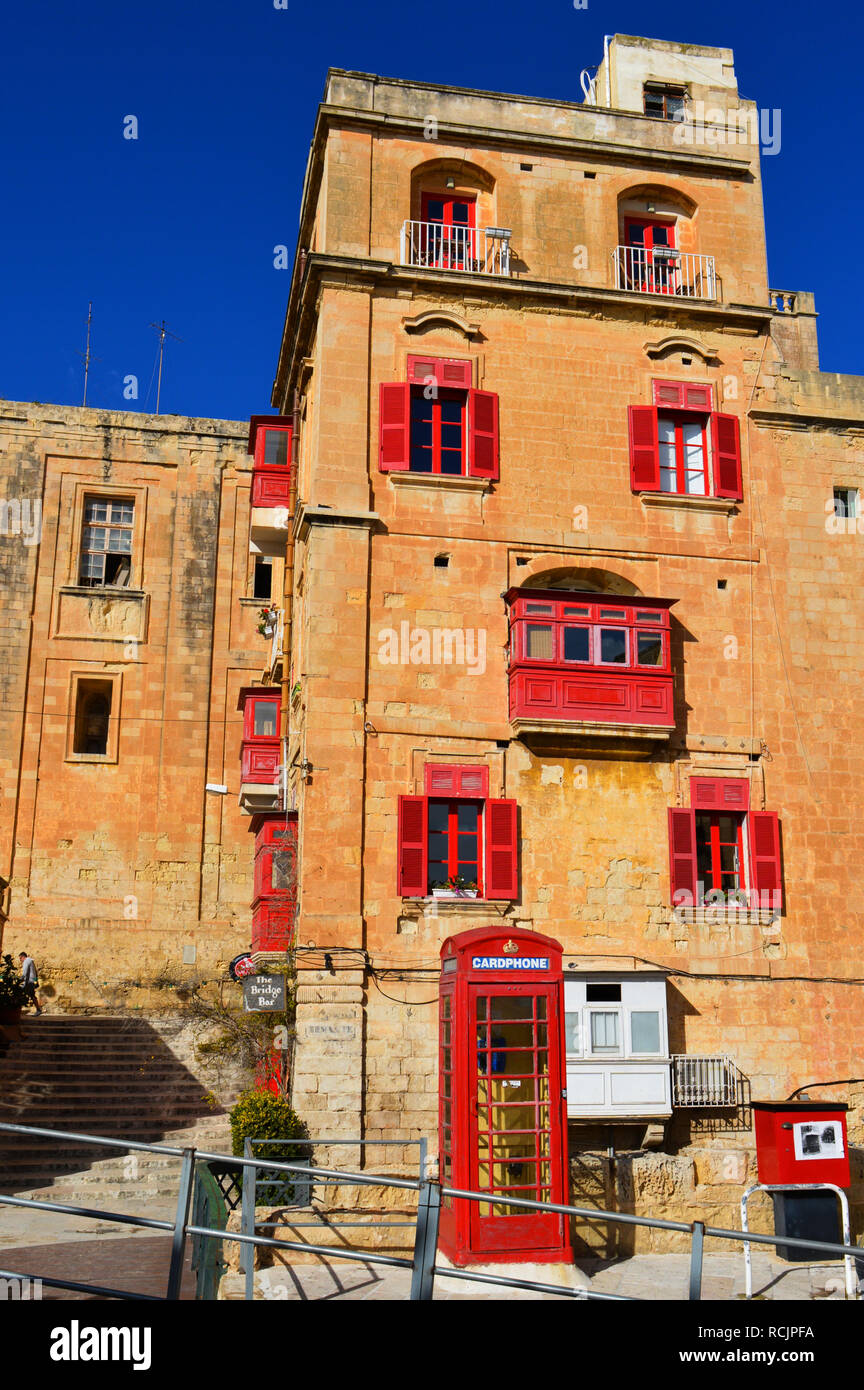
(570, 602)
(129, 623)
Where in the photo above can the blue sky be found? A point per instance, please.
(181, 223)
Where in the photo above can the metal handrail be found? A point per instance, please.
(664, 270)
(422, 1264)
(434, 246)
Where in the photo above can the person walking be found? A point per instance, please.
(30, 980)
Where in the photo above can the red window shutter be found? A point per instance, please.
(698, 397)
(394, 426)
(727, 456)
(765, 874)
(452, 372)
(682, 857)
(456, 779)
(501, 850)
(413, 855)
(720, 793)
(669, 393)
(644, 449)
(483, 435)
(683, 395)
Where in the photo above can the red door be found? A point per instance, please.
(449, 232)
(651, 261)
(514, 1138)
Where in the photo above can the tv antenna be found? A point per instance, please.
(87, 355)
(163, 334)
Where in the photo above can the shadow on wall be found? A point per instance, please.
(99, 1076)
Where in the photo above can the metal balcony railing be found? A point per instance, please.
(663, 270)
(704, 1082)
(479, 251)
(277, 627)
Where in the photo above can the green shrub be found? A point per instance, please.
(263, 1115)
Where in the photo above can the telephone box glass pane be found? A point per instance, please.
(513, 1116)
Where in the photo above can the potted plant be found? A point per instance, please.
(267, 618)
(12, 993)
(456, 887)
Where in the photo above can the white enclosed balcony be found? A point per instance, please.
(664, 270)
(477, 251)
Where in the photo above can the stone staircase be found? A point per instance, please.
(108, 1076)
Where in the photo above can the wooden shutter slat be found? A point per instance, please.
(456, 779)
(501, 849)
(725, 438)
(412, 848)
(452, 372)
(644, 448)
(683, 395)
(394, 427)
(682, 857)
(718, 793)
(483, 435)
(765, 867)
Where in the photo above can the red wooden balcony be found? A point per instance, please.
(260, 750)
(274, 906)
(582, 663)
(270, 447)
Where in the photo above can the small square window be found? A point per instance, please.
(666, 103)
(846, 501)
(93, 727)
(262, 582)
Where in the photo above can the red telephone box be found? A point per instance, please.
(502, 1105)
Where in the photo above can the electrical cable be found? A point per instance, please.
(812, 1085)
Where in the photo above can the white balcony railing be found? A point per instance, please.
(662, 270)
(704, 1082)
(480, 251)
(276, 639)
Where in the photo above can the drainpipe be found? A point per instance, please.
(288, 598)
(608, 73)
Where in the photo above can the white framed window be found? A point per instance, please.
(604, 1032)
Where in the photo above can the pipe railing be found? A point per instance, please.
(422, 1264)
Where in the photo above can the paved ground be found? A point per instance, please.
(654, 1277)
(49, 1243)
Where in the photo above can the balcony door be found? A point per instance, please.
(449, 231)
(651, 264)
